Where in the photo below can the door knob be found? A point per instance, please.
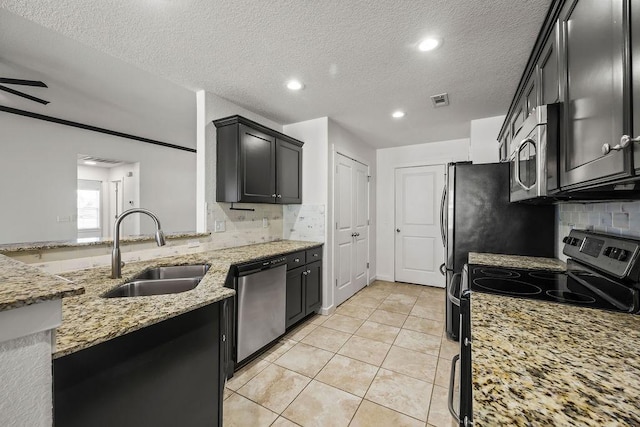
(357, 234)
(397, 230)
(273, 195)
(279, 196)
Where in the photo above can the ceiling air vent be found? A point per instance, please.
(98, 160)
(441, 100)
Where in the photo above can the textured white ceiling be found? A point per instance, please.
(357, 58)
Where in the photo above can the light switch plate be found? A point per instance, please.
(265, 223)
(220, 226)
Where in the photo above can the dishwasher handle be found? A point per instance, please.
(258, 266)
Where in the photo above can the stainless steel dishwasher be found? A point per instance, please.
(260, 305)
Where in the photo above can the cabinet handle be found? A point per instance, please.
(273, 195)
(315, 255)
(296, 260)
(397, 230)
(305, 272)
(625, 141)
(308, 271)
(279, 196)
(353, 234)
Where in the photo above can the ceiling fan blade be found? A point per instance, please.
(24, 95)
(22, 82)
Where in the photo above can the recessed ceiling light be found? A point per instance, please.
(294, 85)
(398, 114)
(429, 44)
(89, 162)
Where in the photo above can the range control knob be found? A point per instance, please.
(566, 239)
(622, 255)
(607, 251)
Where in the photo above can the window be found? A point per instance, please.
(89, 201)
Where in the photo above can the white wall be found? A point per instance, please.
(38, 178)
(484, 139)
(388, 160)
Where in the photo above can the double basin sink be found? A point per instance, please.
(160, 281)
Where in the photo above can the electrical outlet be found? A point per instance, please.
(63, 219)
(265, 223)
(220, 226)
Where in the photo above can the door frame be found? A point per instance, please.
(395, 198)
(332, 226)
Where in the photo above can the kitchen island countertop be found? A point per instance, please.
(535, 364)
(90, 319)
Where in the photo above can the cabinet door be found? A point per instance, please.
(635, 55)
(548, 66)
(313, 287)
(593, 34)
(289, 173)
(295, 308)
(257, 171)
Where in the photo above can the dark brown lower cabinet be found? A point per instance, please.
(304, 289)
(167, 374)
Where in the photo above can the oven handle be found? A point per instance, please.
(517, 160)
(442, 202)
(454, 299)
(452, 383)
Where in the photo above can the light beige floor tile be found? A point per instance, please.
(443, 373)
(304, 359)
(412, 363)
(401, 393)
(395, 306)
(318, 319)
(418, 341)
(378, 331)
(280, 348)
(326, 339)
(301, 331)
(274, 388)
(241, 377)
(343, 323)
(283, 422)
(403, 298)
(371, 414)
(448, 349)
(366, 301)
(409, 289)
(227, 393)
(435, 313)
(388, 318)
(376, 293)
(354, 310)
(426, 326)
(365, 350)
(348, 374)
(322, 405)
(241, 412)
(439, 415)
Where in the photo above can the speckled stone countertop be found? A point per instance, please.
(37, 246)
(21, 284)
(90, 319)
(538, 363)
(516, 261)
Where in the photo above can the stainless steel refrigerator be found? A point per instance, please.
(477, 216)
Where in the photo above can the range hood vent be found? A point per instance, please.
(440, 100)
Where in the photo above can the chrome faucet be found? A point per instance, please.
(116, 263)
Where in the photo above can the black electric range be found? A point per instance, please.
(603, 272)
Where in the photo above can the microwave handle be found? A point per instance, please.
(517, 164)
(452, 383)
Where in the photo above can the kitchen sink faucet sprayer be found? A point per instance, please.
(116, 263)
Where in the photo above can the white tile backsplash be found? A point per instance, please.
(304, 222)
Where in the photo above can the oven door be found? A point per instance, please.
(460, 382)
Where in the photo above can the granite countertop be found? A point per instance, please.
(22, 284)
(36, 246)
(90, 319)
(517, 261)
(537, 363)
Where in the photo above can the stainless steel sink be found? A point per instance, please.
(173, 272)
(160, 281)
(139, 288)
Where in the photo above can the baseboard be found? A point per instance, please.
(328, 310)
(385, 278)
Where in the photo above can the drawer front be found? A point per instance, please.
(314, 254)
(296, 260)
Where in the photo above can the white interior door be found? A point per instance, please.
(351, 202)
(419, 249)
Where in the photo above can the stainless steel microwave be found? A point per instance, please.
(534, 156)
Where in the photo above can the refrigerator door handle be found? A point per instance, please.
(442, 213)
(454, 299)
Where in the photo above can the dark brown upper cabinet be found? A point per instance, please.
(256, 164)
(583, 59)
